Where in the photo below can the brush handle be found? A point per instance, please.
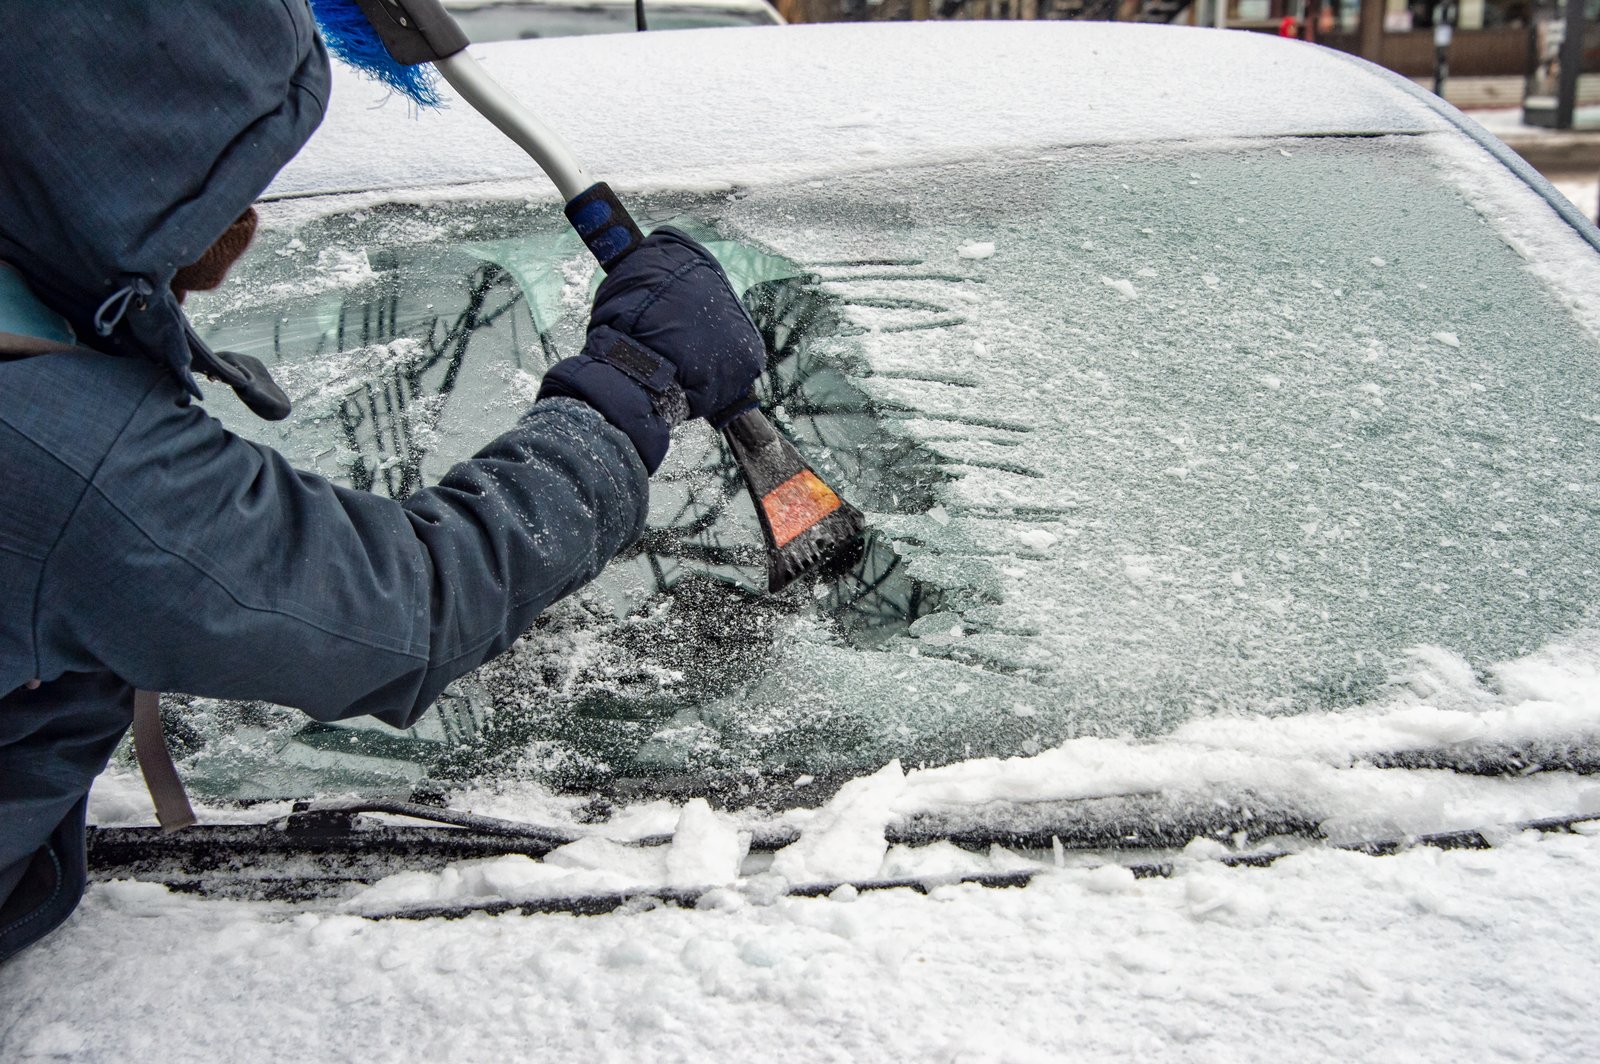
(605, 225)
(490, 99)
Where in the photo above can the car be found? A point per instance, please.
(1223, 412)
(513, 20)
(1227, 452)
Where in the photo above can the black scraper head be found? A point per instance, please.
(805, 523)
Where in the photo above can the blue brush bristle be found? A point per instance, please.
(352, 40)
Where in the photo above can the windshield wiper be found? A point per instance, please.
(325, 850)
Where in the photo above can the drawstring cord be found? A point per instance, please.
(117, 304)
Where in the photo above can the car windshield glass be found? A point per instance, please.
(513, 21)
(1140, 435)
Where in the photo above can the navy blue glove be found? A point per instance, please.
(668, 341)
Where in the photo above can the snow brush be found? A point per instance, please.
(803, 521)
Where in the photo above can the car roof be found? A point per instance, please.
(722, 107)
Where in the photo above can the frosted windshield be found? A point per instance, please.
(1141, 437)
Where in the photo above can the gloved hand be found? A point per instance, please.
(668, 340)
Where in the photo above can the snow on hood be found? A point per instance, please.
(133, 139)
(739, 106)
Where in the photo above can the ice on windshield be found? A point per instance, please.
(1143, 437)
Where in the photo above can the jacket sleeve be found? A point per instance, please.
(200, 562)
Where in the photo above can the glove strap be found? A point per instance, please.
(652, 372)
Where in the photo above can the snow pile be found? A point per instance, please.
(1424, 956)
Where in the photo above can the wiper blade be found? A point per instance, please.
(326, 850)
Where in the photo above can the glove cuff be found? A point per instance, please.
(617, 397)
(630, 385)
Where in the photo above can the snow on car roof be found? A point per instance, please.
(705, 108)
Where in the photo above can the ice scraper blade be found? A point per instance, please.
(804, 522)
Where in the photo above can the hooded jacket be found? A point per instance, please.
(170, 124)
(141, 544)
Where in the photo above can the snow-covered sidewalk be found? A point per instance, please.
(1426, 955)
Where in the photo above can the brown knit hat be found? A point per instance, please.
(209, 269)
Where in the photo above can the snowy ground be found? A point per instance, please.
(1422, 956)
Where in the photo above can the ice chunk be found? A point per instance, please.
(1037, 539)
(976, 249)
(845, 840)
(1122, 286)
(1109, 879)
(1449, 339)
(706, 851)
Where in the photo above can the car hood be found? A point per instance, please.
(163, 131)
(765, 104)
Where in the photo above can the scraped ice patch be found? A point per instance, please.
(1449, 339)
(344, 267)
(976, 249)
(1122, 286)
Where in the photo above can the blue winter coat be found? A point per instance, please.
(143, 545)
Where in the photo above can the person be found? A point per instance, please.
(142, 546)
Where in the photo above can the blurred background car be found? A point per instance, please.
(1174, 397)
(514, 20)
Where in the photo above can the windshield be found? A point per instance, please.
(522, 21)
(1140, 436)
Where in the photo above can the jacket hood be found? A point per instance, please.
(135, 133)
